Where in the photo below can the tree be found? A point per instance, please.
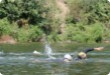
(30, 10)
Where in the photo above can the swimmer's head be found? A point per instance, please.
(67, 58)
(82, 55)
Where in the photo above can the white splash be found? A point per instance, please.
(1, 52)
(1, 74)
(109, 73)
(108, 0)
(0, 1)
(36, 52)
(48, 51)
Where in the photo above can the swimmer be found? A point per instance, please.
(67, 58)
(83, 54)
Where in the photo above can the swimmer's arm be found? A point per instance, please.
(99, 48)
(88, 50)
(96, 49)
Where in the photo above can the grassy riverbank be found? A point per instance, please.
(60, 20)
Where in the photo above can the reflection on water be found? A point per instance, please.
(27, 63)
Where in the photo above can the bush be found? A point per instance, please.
(95, 32)
(25, 35)
(89, 11)
(35, 33)
(5, 27)
(22, 35)
(88, 20)
(85, 33)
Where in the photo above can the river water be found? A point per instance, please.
(19, 59)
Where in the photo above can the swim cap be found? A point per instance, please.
(82, 55)
(68, 56)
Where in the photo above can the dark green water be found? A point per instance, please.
(19, 60)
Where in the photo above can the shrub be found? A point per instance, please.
(35, 33)
(25, 35)
(5, 27)
(85, 33)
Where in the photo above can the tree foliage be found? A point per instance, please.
(27, 9)
(27, 20)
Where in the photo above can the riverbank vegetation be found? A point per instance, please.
(59, 20)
